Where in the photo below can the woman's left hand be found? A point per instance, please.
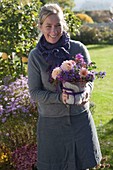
(86, 95)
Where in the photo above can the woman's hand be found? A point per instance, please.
(85, 98)
(65, 96)
(86, 95)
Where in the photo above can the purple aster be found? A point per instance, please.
(14, 101)
(1, 110)
(90, 77)
(79, 58)
(3, 119)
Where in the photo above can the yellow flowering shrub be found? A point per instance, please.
(5, 154)
(3, 157)
(85, 18)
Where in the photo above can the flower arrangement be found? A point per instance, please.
(76, 70)
(74, 75)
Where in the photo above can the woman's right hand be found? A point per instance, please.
(65, 96)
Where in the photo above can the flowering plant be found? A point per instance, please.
(23, 158)
(76, 70)
(74, 75)
(15, 100)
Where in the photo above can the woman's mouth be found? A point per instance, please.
(53, 36)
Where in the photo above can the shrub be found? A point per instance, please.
(85, 18)
(15, 100)
(11, 68)
(5, 156)
(73, 22)
(19, 29)
(94, 35)
(107, 35)
(89, 35)
(17, 110)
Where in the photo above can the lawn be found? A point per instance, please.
(102, 97)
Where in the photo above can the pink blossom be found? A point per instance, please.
(83, 72)
(68, 65)
(56, 72)
(76, 70)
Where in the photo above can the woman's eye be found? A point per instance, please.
(57, 26)
(48, 26)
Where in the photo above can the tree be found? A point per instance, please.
(63, 3)
(18, 29)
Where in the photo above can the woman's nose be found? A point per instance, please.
(53, 29)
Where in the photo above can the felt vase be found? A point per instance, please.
(76, 92)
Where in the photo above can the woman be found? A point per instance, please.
(66, 134)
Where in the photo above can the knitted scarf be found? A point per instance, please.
(56, 53)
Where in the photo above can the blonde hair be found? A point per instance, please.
(50, 9)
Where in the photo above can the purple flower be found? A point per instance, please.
(4, 119)
(79, 57)
(15, 99)
(1, 110)
(101, 74)
(77, 70)
(24, 157)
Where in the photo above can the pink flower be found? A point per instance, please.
(56, 72)
(76, 70)
(68, 65)
(83, 72)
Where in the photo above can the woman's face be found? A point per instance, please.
(52, 28)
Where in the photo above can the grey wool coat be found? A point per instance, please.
(44, 93)
(66, 134)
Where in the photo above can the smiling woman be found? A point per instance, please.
(66, 134)
(52, 26)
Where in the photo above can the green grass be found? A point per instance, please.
(102, 97)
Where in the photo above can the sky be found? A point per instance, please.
(89, 5)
